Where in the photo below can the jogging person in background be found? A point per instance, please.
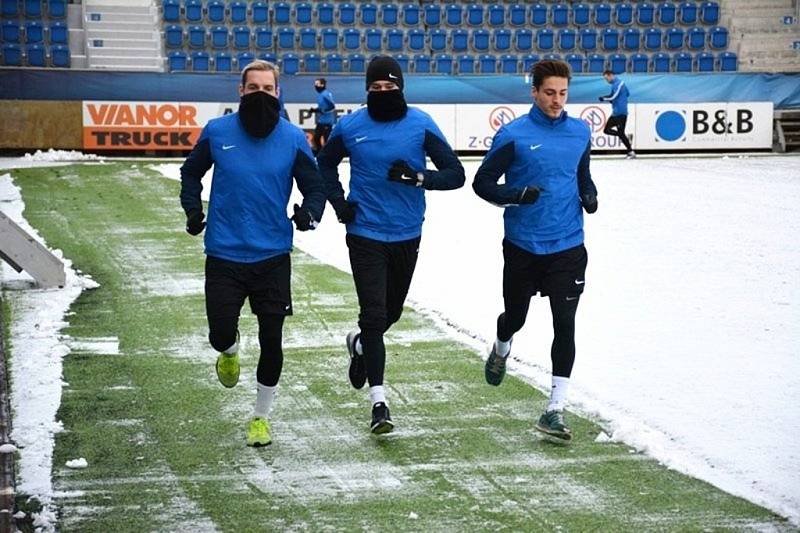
(619, 110)
(255, 155)
(326, 114)
(387, 143)
(545, 158)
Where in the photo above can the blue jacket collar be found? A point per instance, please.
(537, 115)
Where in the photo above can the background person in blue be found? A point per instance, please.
(387, 143)
(326, 114)
(619, 110)
(545, 158)
(255, 154)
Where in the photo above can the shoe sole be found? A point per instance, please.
(220, 378)
(259, 444)
(382, 427)
(358, 375)
(554, 436)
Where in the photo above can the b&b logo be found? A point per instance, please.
(671, 126)
(594, 117)
(500, 116)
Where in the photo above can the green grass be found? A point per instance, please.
(165, 442)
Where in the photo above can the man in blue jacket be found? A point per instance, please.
(326, 114)
(619, 110)
(387, 143)
(545, 158)
(255, 155)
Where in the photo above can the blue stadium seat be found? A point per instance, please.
(509, 64)
(433, 15)
(334, 63)
(645, 13)
(197, 37)
(617, 63)
(475, 15)
(329, 39)
(704, 61)
(728, 62)
(682, 62)
(369, 14)
(34, 32)
(480, 40)
(595, 63)
(33, 8)
(171, 8)
(373, 39)
(453, 14)
(173, 36)
(36, 55)
(559, 15)
(528, 60)
(10, 8)
(389, 14)
(351, 39)
(602, 14)
(241, 37)
(575, 62)
(303, 14)
(286, 39)
(312, 62)
(718, 38)
(57, 9)
(552, 57)
(281, 13)
(11, 32)
(652, 39)
(219, 37)
(544, 39)
(523, 40)
(675, 38)
(496, 15)
(688, 13)
(259, 12)
(631, 39)
(410, 13)
(308, 39)
(581, 14)
(538, 14)
(487, 64)
(666, 14)
(588, 39)
(444, 64)
(193, 10)
(12, 55)
(502, 40)
(709, 13)
(661, 62)
(215, 13)
(347, 14)
(245, 58)
(466, 64)
(422, 64)
(263, 38)
(394, 39)
(402, 60)
(177, 61)
(459, 40)
(438, 40)
(696, 39)
(290, 63)
(325, 13)
(623, 14)
(223, 62)
(201, 61)
(517, 15)
(639, 63)
(416, 39)
(610, 38)
(238, 12)
(566, 39)
(269, 56)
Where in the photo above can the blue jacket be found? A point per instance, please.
(388, 211)
(552, 154)
(327, 108)
(618, 97)
(247, 220)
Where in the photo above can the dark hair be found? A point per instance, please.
(323, 81)
(548, 68)
(607, 72)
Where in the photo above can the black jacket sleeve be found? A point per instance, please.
(310, 183)
(192, 172)
(328, 159)
(450, 173)
(495, 165)
(585, 183)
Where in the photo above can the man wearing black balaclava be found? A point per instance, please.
(326, 114)
(255, 154)
(387, 144)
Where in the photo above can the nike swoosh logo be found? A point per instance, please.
(359, 139)
(569, 299)
(392, 76)
(228, 146)
(581, 282)
(535, 146)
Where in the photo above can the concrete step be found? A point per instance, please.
(113, 61)
(118, 26)
(150, 44)
(125, 34)
(761, 24)
(118, 5)
(143, 18)
(101, 51)
(128, 68)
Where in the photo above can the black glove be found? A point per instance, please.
(315, 110)
(529, 195)
(602, 98)
(303, 219)
(194, 222)
(402, 173)
(345, 211)
(589, 202)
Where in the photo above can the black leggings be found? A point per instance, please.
(616, 126)
(222, 335)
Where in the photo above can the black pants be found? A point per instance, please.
(267, 285)
(382, 273)
(616, 127)
(322, 131)
(560, 276)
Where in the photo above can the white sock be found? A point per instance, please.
(558, 394)
(502, 348)
(376, 394)
(359, 349)
(264, 397)
(234, 347)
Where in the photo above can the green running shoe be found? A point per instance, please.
(552, 424)
(495, 369)
(228, 369)
(258, 432)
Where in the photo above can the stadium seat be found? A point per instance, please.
(610, 38)
(575, 62)
(682, 62)
(552, 57)
(602, 14)
(688, 13)
(171, 10)
(9, 8)
(373, 39)
(290, 63)
(444, 64)
(666, 14)
(517, 15)
(588, 39)
(623, 14)
(223, 62)
(403, 61)
(475, 15)
(675, 38)
(356, 63)
(538, 14)
(459, 40)
(389, 14)
(432, 15)
(487, 64)
(416, 39)
(631, 39)
(197, 37)
(410, 15)
(177, 61)
(422, 64)
(496, 15)
(34, 32)
(502, 40)
(219, 37)
(528, 60)
(351, 39)
(523, 40)
(438, 40)
(394, 39)
(728, 62)
(201, 61)
(480, 40)
(509, 64)
(709, 13)
(718, 38)
(347, 14)
(329, 39)
(652, 39)
(12, 55)
(36, 55)
(453, 15)
(269, 56)
(241, 37)
(595, 63)
(238, 11)
(259, 12)
(334, 63)
(645, 13)
(660, 62)
(243, 59)
(286, 39)
(639, 63)
(696, 39)
(193, 10)
(33, 8)
(215, 13)
(617, 63)
(308, 39)
(281, 13)
(368, 14)
(559, 15)
(303, 13)
(325, 14)
(581, 14)
(312, 62)
(566, 39)
(11, 32)
(704, 62)
(263, 38)
(466, 64)
(173, 35)
(544, 39)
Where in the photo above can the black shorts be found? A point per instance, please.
(266, 283)
(558, 274)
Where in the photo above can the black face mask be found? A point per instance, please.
(259, 113)
(385, 106)
(318, 88)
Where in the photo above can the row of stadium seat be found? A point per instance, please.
(463, 64)
(35, 55)
(33, 32)
(438, 40)
(434, 14)
(34, 9)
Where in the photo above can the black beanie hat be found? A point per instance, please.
(384, 68)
